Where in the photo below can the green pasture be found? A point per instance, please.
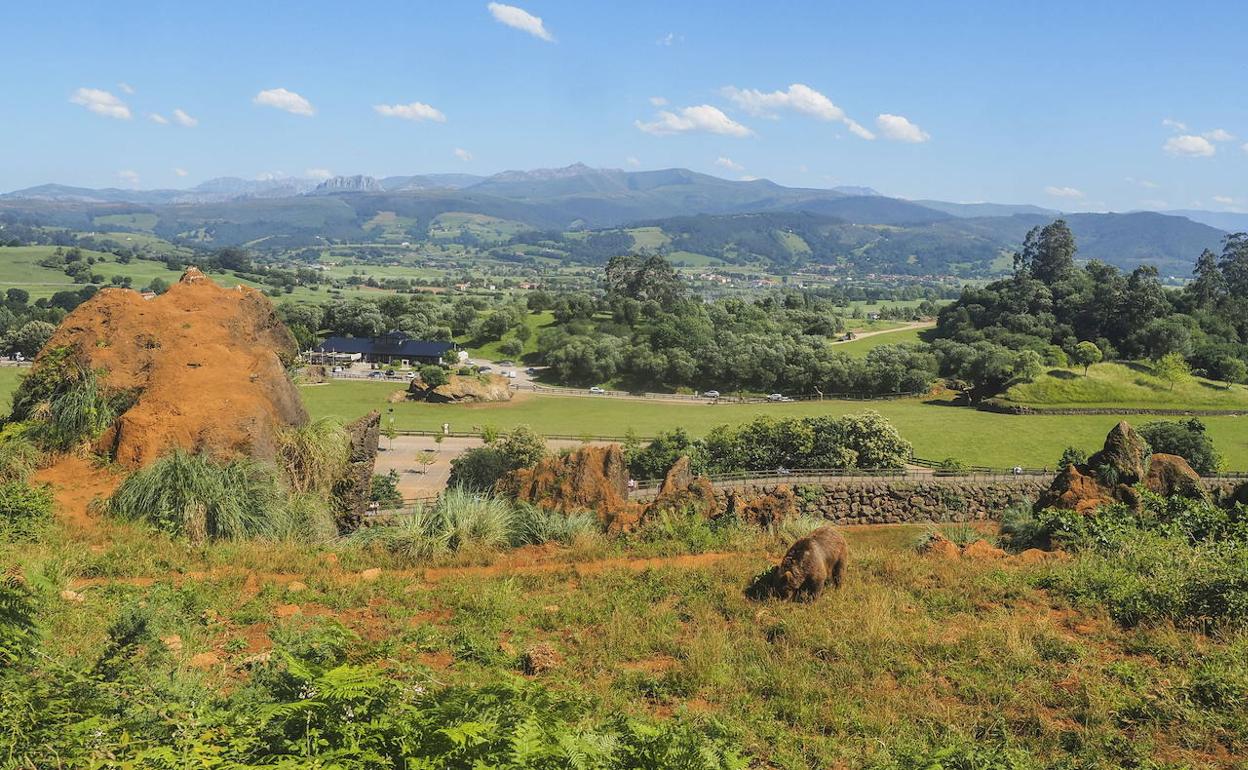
(1132, 385)
(937, 431)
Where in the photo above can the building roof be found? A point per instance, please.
(393, 344)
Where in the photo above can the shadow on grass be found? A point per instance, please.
(763, 586)
(1063, 374)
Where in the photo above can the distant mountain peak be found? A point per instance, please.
(348, 184)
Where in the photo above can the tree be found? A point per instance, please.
(433, 375)
(17, 296)
(1028, 366)
(1048, 253)
(1185, 438)
(158, 286)
(1232, 370)
(31, 337)
(511, 348)
(479, 469)
(1172, 368)
(1085, 354)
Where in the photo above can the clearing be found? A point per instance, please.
(1123, 385)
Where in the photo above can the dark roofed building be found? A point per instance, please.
(392, 348)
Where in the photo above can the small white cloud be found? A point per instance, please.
(180, 172)
(1225, 200)
(417, 111)
(1063, 192)
(803, 168)
(632, 161)
(270, 176)
(1174, 124)
(900, 129)
(798, 98)
(703, 117)
(1219, 135)
(318, 173)
(156, 117)
(128, 177)
(282, 99)
(182, 119)
(670, 39)
(658, 101)
(1189, 145)
(520, 19)
(125, 88)
(101, 103)
(728, 163)
(748, 178)
(1244, 147)
(463, 154)
(1147, 184)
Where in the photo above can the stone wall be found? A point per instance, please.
(883, 501)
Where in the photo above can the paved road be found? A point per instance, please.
(912, 325)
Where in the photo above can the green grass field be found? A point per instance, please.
(8, 383)
(1123, 385)
(860, 347)
(937, 432)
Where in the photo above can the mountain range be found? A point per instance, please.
(855, 226)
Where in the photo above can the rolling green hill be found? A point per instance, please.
(1129, 385)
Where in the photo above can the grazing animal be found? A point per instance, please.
(811, 563)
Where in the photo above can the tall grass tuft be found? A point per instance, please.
(476, 520)
(417, 535)
(305, 517)
(312, 456)
(19, 458)
(81, 411)
(535, 526)
(205, 500)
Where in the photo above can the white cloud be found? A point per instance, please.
(632, 161)
(900, 129)
(728, 163)
(748, 178)
(658, 101)
(1174, 124)
(671, 38)
(156, 117)
(418, 111)
(1063, 192)
(1190, 146)
(101, 103)
(1219, 135)
(1245, 147)
(318, 173)
(125, 88)
(520, 19)
(1147, 184)
(463, 154)
(703, 117)
(282, 99)
(129, 177)
(182, 119)
(1225, 200)
(180, 172)
(798, 98)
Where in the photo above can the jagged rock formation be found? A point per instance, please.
(1109, 476)
(204, 366)
(683, 492)
(472, 389)
(763, 508)
(593, 478)
(352, 491)
(342, 184)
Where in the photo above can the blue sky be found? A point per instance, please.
(1072, 105)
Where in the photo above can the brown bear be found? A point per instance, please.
(811, 563)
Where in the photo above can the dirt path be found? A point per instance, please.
(522, 561)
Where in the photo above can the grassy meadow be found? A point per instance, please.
(916, 660)
(937, 431)
(1133, 385)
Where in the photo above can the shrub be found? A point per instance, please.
(1021, 529)
(1071, 456)
(17, 619)
(18, 457)
(416, 536)
(22, 507)
(480, 469)
(433, 376)
(202, 499)
(384, 489)
(475, 520)
(1185, 438)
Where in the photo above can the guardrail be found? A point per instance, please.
(559, 390)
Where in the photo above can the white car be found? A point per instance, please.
(775, 397)
(597, 390)
(711, 394)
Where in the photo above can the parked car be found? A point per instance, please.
(596, 389)
(506, 363)
(530, 371)
(775, 397)
(337, 370)
(411, 375)
(511, 375)
(484, 369)
(711, 394)
(376, 375)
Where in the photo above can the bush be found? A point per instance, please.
(1071, 456)
(1185, 438)
(433, 376)
(23, 507)
(17, 619)
(18, 457)
(384, 490)
(193, 496)
(479, 469)
(864, 440)
(535, 526)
